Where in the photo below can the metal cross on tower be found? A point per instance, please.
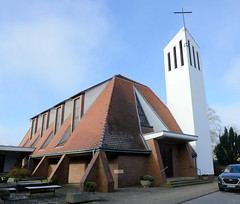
(182, 12)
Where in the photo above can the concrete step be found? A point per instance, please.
(185, 182)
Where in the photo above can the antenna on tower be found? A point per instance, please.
(182, 12)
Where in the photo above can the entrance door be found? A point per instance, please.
(166, 153)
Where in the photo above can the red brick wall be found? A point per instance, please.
(155, 164)
(42, 168)
(98, 171)
(113, 164)
(134, 167)
(61, 170)
(186, 162)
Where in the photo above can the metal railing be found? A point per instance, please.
(197, 169)
(164, 169)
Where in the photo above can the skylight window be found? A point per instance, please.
(141, 114)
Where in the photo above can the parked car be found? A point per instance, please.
(230, 178)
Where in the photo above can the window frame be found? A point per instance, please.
(56, 128)
(194, 59)
(175, 56)
(181, 52)
(34, 127)
(73, 111)
(169, 61)
(46, 114)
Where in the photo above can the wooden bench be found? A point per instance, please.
(42, 189)
(21, 183)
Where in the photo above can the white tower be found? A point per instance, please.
(186, 95)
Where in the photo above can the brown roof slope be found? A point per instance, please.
(122, 129)
(110, 123)
(159, 108)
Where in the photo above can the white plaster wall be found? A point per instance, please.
(186, 99)
(153, 119)
(178, 89)
(91, 95)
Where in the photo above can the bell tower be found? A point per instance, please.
(186, 94)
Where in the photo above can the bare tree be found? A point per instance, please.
(215, 126)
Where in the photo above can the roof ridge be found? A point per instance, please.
(105, 121)
(128, 79)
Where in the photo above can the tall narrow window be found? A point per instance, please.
(169, 62)
(142, 116)
(35, 141)
(175, 57)
(76, 112)
(44, 123)
(34, 127)
(47, 141)
(194, 60)
(189, 50)
(198, 61)
(58, 119)
(181, 52)
(65, 136)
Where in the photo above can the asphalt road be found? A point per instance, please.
(219, 197)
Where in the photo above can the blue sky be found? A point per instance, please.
(53, 49)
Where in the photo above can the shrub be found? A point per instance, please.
(18, 173)
(54, 180)
(147, 178)
(90, 187)
(4, 194)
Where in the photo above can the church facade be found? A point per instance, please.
(112, 133)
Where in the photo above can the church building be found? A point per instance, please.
(119, 130)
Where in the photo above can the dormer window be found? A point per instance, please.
(76, 113)
(58, 118)
(34, 127)
(44, 123)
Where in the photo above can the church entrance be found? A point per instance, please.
(166, 154)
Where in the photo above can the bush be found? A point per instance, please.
(90, 187)
(54, 180)
(18, 173)
(147, 178)
(4, 194)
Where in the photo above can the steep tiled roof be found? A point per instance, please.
(110, 123)
(122, 129)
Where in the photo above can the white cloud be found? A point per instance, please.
(57, 47)
(48, 49)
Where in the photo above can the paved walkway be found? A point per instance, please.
(138, 195)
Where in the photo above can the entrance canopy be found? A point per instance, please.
(16, 149)
(172, 137)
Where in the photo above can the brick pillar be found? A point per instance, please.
(61, 170)
(187, 165)
(42, 168)
(155, 164)
(98, 171)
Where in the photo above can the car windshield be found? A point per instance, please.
(232, 169)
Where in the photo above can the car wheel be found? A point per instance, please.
(220, 188)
